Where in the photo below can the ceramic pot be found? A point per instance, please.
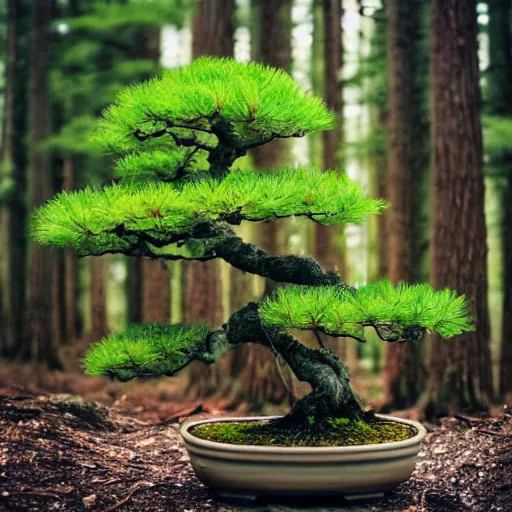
(244, 471)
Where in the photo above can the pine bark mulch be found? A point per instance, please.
(58, 452)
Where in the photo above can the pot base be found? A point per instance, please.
(355, 472)
(230, 495)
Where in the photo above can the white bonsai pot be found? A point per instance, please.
(243, 471)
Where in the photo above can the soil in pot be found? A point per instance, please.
(340, 432)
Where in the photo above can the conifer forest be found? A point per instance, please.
(295, 213)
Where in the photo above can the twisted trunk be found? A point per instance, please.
(331, 394)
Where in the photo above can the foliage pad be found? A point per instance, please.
(89, 220)
(241, 105)
(396, 312)
(146, 350)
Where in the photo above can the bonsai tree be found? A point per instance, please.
(174, 140)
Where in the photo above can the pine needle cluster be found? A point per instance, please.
(239, 104)
(146, 350)
(395, 311)
(88, 220)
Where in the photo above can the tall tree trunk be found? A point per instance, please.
(404, 375)
(499, 103)
(155, 277)
(134, 290)
(214, 28)
(41, 262)
(505, 382)
(271, 44)
(155, 292)
(380, 150)
(460, 369)
(149, 281)
(326, 251)
(328, 15)
(13, 213)
(70, 274)
(99, 324)
(213, 34)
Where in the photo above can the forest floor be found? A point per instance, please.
(60, 452)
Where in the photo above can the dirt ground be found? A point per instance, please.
(60, 452)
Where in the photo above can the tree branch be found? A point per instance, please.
(191, 141)
(286, 269)
(271, 138)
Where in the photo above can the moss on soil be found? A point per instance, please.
(341, 432)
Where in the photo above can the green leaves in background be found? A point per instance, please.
(107, 17)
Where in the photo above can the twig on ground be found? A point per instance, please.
(138, 485)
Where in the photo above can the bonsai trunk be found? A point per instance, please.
(331, 394)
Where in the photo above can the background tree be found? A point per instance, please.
(405, 182)
(498, 108)
(325, 249)
(150, 286)
(102, 47)
(254, 368)
(460, 371)
(213, 34)
(13, 180)
(42, 337)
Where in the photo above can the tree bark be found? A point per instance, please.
(326, 251)
(149, 288)
(41, 345)
(271, 45)
(99, 324)
(404, 375)
(70, 274)
(499, 103)
(13, 213)
(214, 28)
(460, 369)
(155, 292)
(331, 394)
(134, 290)
(505, 381)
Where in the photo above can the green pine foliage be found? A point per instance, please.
(163, 135)
(147, 350)
(157, 164)
(396, 312)
(240, 104)
(89, 220)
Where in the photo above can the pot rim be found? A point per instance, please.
(353, 449)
